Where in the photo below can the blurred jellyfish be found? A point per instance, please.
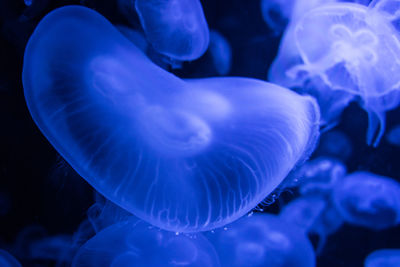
(314, 214)
(320, 176)
(136, 243)
(393, 137)
(335, 144)
(221, 52)
(262, 240)
(368, 200)
(58, 249)
(7, 260)
(383, 258)
(348, 51)
(183, 155)
(25, 238)
(176, 28)
(277, 14)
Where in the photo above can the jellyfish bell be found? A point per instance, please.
(383, 258)
(176, 28)
(368, 200)
(136, 243)
(262, 240)
(184, 155)
(349, 48)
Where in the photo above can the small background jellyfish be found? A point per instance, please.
(192, 154)
(352, 55)
(383, 258)
(135, 243)
(368, 200)
(262, 240)
(393, 136)
(221, 53)
(175, 28)
(335, 144)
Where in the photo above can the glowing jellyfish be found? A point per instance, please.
(221, 53)
(136, 243)
(262, 240)
(176, 28)
(343, 52)
(183, 155)
(277, 14)
(368, 200)
(393, 137)
(58, 248)
(320, 176)
(313, 214)
(383, 258)
(335, 144)
(7, 260)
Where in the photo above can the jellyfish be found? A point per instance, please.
(314, 214)
(383, 258)
(57, 248)
(393, 137)
(368, 200)
(136, 243)
(335, 144)
(339, 53)
(262, 240)
(7, 260)
(221, 52)
(176, 28)
(277, 14)
(183, 155)
(320, 175)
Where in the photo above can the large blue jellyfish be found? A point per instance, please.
(383, 258)
(183, 155)
(136, 243)
(7, 260)
(176, 28)
(262, 240)
(339, 53)
(368, 200)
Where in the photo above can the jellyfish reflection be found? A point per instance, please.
(136, 243)
(183, 155)
(349, 51)
(368, 200)
(262, 240)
